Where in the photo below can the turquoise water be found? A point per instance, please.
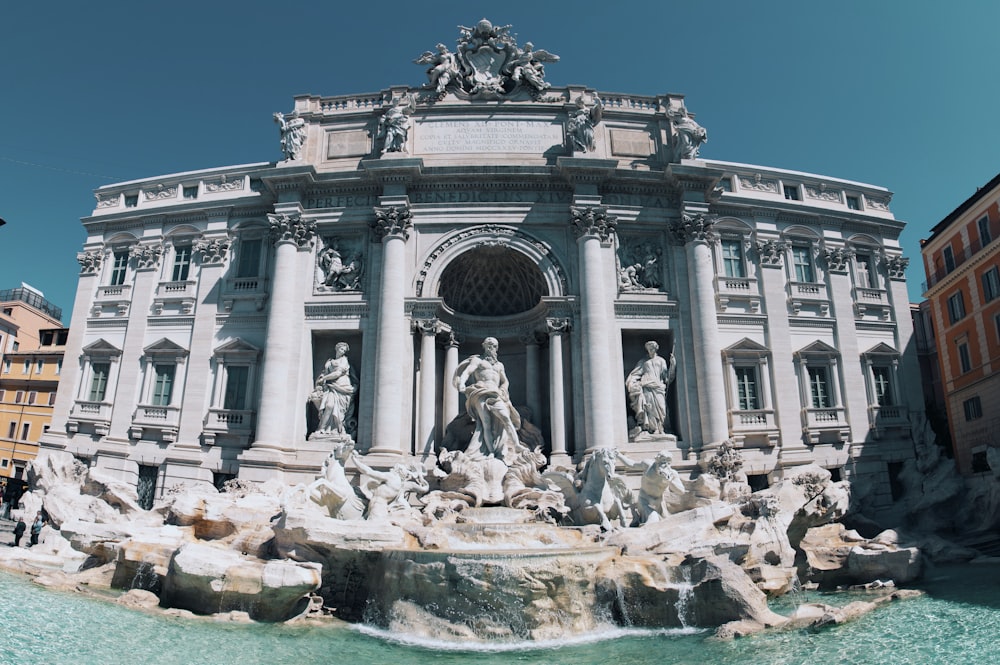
(958, 621)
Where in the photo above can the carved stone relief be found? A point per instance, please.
(640, 268)
(340, 265)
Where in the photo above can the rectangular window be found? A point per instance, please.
(145, 486)
(236, 387)
(996, 324)
(3, 394)
(18, 397)
(248, 264)
(27, 367)
(191, 192)
(819, 388)
(12, 430)
(853, 203)
(182, 263)
(991, 284)
(732, 257)
(973, 408)
(866, 272)
(802, 260)
(883, 387)
(59, 367)
(25, 430)
(52, 399)
(949, 258)
(746, 388)
(163, 385)
(956, 307)
(119, 268)
(6, 366)
(792, 192)
(99, 381)
(131, 200)
(32, 396)
(984, 230)
(964, 359)
(39, 365)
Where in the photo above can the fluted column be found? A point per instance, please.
(696, 232)
(428, 381)
(557, 385)
(278, 399)
(532, 387)
(449, 394)
(595, 230)
(392, 226)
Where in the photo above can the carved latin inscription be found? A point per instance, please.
(490, 136)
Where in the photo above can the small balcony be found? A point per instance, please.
(868, 301)
(93, 415)
(733, 290)
(112, 300)
(176, 297)
(149, 419)
(754, 427)
(238, 424)
(888, 417)
(252, 289)
(826, 425)
(810, 296)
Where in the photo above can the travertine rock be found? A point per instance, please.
(836, 557)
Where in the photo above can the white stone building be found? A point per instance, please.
(413, 222)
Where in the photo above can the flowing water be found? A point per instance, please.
(957, 622)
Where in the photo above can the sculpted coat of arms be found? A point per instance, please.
(488, 64)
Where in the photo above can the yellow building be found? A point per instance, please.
(32, 344)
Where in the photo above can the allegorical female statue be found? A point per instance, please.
(333, 395)
(647, 387)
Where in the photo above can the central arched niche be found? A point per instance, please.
(492, 280)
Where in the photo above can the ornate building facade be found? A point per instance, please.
(235, 321)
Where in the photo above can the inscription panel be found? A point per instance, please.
(631, 143)
(486, 136)
(350, 143)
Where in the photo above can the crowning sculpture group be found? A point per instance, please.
(495, 467)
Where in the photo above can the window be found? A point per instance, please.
(38, 366)
(145, 486)
(119, 268)
(59, 367)
(163, 384)
(190, 192)
(726, 184)
(732, 257)
(99, 381)
(964, 360)
(819, 388)
(27, 367)
(8, 311)
(25, 430)
(792, 192)
(802, 261)
(248, 262)
(237, 379)
(991, 284)
(883, 386)
(18, 397)
(984, 230)
(3, 394)
(956, 307)
(11, 430)
(747, 392)
(973, 408)
(996, 324)
(6, 365)
(131, 200)
(15, 346)
(949, 258)
(853, 203)
(182, 263)
(867, 278)
(32, 396)
(52, 399)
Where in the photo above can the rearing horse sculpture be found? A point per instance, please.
(597, 495)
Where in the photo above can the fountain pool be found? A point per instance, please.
(956, 622)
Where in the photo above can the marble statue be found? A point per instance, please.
(640, 269)
(580, 125)
(332, 490)
(596, 494)
(293, 134)
(488, 403)
(394, 125)
(333, 395)
(526, 66)
(338, 274)
(661, 491)
(388, 492)
(647, 385)
(444, 68)
(688, 134)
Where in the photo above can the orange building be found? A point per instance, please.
(962, 263)
(32, 344)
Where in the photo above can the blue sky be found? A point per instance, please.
(898, 93)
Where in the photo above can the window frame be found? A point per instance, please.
(956, 307)
(991, 284)
(804, 266)
(985, 237)
(119, 267)
(964, 356)
(180, 269)
(948, 254)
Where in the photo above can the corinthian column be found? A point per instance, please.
(392, 226)
(557, 385)
(428, 381)
(696, 233)
(449, 394)
(279, 399)
(595, 230)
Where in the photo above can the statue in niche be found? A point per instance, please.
(647, 385)
(293, 134)
(488, 403)
(394, 125)
(581, 123)
(688, 134)
(444, 67)
(388, 492)
(338, 274)
(661, 491)
(640, 267)
(333, 395)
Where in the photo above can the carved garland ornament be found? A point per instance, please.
(392, 222)
(90, 262)
(292, 228)
(593, 220)
(695, 228)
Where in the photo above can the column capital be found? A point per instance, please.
(771, 252)
(392, 222)
(292, 228)
(557, 326)
(90, 261)
(212, 250)
(837, 257)
(430, 326)
(593, 221)
(147, 257)
(895, 266)
(695, 227)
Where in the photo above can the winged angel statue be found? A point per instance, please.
(488, 64)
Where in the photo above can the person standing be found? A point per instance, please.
(36, 528)
(19, 531)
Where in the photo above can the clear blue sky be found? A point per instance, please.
(898, 93)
